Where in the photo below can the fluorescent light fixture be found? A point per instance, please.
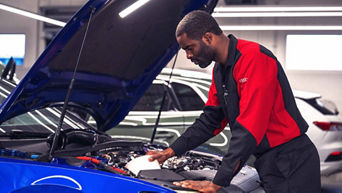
(31, 15)
(277, 28)
(274, 9)
(132, 8)
(279, 14)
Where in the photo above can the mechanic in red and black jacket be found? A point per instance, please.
(249, 91)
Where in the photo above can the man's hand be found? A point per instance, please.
(201, 186)
(161, 156)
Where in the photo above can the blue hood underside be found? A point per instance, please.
(119, 60)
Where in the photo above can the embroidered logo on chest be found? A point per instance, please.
(243, 80)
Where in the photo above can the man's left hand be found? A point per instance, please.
(201, 186)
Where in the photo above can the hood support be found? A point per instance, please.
(162, 102)
(66, 101)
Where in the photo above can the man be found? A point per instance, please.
(249, 91)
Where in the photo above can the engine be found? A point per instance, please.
(193, 165)
(118, 156)
(113, 155)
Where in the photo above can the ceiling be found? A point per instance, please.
(63, 10)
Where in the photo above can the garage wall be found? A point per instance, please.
(326, 83)
(62, 2)
(12, 23)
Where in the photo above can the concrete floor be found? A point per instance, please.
(335, 178)
(332, 183)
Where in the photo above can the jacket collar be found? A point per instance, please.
(232, 50)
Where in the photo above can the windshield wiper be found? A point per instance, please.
(162, 102)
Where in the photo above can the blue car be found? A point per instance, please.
(99, 64)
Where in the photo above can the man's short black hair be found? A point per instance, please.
(196, 23)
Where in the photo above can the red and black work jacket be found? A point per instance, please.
(252, 94)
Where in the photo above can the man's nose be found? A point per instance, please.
(189, 55)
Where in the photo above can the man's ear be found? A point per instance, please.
(207, 38)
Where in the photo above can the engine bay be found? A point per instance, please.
(110, 155)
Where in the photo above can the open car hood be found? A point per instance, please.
(119, 60)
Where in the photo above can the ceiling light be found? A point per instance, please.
(279, 14)
(273, 9)
(277, 28)
(132, 8)
(31, 15)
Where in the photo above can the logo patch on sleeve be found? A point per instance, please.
(243, 80)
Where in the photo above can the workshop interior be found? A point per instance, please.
(89, 87)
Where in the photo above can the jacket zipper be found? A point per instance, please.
(225, 94)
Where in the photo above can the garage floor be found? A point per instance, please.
(334, 178)
(332, 183)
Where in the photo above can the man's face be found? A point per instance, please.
(196, 50)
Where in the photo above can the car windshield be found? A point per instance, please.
(42, 121)
(187, 97)
(152, 98)
(37, 121)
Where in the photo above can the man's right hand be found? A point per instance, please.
(161, 156)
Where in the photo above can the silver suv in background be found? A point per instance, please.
(185, 97)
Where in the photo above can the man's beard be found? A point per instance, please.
(206, 55)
